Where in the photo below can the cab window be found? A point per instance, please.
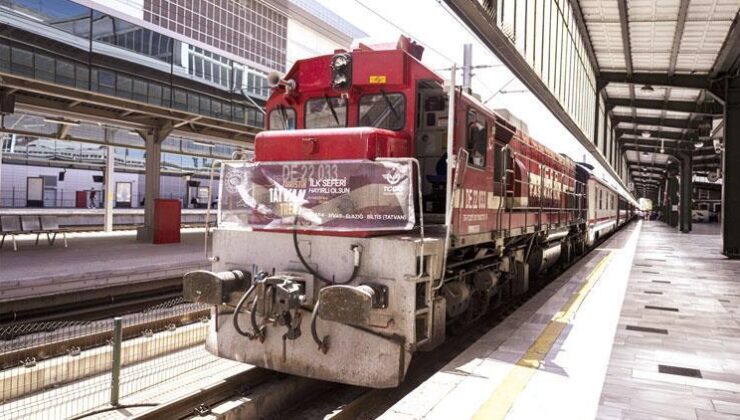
(282, 118)
(384, 110)
(326, 112)
(476, 140)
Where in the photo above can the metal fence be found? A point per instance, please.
(76, 369)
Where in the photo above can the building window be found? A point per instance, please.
(227, 24)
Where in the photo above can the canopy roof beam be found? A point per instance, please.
(687, 124)
(706, 108)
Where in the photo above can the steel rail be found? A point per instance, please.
(91, 309)
(186, 405)
(60, 347)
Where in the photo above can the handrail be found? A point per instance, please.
(420, 200)
(208, 207)
(458, 174)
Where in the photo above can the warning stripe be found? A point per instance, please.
(505, 395)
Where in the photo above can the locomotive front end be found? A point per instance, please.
(317, 268)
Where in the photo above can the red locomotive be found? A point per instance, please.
(380, 208)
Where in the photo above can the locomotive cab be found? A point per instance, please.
(365, 104)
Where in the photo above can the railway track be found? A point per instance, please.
(344, 402)
(329, 400)
(119, 303)
(84, 336)
(260, 389)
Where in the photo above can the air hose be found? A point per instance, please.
(357, 249)
(323, 343)
(257, 333)
(238, 309)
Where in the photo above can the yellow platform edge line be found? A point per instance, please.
(505, 395)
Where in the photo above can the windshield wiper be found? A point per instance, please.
(390, 104)
(283, 115)
(331, 107)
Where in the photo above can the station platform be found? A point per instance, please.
(94, 261)
(85, 218)
(644, 327)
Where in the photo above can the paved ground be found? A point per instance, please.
(92, 260)
(687, 295)
(567, 353)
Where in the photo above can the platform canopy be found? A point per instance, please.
(661, 64)
(637, 82)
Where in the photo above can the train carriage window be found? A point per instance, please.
(600, 207)
(326, 112)
(282, 118)
(476, 141)
(384, 110)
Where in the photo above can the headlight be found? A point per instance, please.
(341, 71)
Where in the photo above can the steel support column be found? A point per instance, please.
(109, 196)
(731, 172)
(671, 202)
(2, 145)
(152, 165)
(686, 186)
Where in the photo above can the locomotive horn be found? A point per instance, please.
(275, 80)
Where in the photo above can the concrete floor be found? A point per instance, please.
(94, 260)
(686, 293)
(567, 353)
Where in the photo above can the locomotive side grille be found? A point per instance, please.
(504, 131)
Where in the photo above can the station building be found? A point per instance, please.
(219, 48)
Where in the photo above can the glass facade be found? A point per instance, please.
(122, 34)
(65, 43)
(546, 35)
(211, 67)
(112, 36)
(178, 154)
(248, 29)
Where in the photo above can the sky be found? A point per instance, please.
(432, 24)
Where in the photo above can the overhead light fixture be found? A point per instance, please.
(647, 88)
(61, 121)
(203, 144)
(645, 134)
(698, 145)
